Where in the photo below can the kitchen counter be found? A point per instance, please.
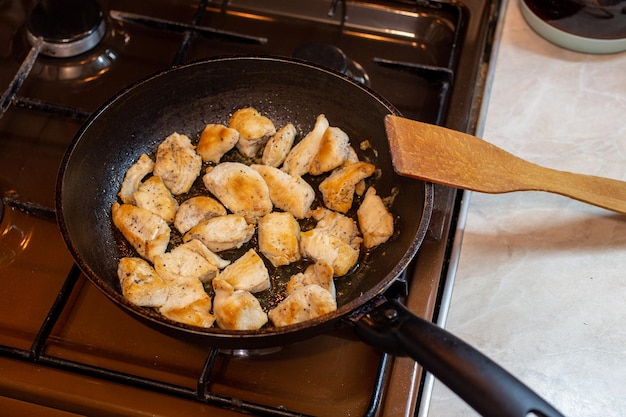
(540, 284)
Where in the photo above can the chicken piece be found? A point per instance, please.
(145, 231)
(279, 145)
(319, 273)
(305, 303)
(154, 196)
(254, 130)
(375, 221)
(133, 177)
(301, 155)
(333, 152)
(196, 209)
(177, 163)
(339, 188)
(279, 236)
(221, 233)
(339, 225)
(189, 260)
(215, 141)
(321, 245)
(240, 189)
(236, 309)
(140, 283)
(188, 303)
(247, 273)
(199, 247)
(287, 192)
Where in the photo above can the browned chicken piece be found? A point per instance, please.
(279, 145)
(319, 273)
(375, 221)
(288, 192)
(339, 225)
(154, 196)
(236, 309)
(333, 152)
(140, 283)
(303, 304)
(301, 155)
(189, 260)
(339, 188)
(196, 209)
(321, 245)
(145, 231)
(254, 130)
(248, 273)
(133, 177)
(177, 163)
(215, 141)
(222, 233)
(188, 303)
(279, 236)
(240, 189)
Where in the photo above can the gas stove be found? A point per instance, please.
(65, 349)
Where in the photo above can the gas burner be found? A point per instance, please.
(67, 27)
(330, 56)
(84, 68)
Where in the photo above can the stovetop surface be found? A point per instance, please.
(55, 324)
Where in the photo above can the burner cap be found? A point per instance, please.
(323, 54)
(68, 27)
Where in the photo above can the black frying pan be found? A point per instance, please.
(184, 99)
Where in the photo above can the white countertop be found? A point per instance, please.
(541, 279)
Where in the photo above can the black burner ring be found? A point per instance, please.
(331, 56)
(67, 27)
(323, 54)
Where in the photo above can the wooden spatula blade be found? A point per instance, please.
(437, 154)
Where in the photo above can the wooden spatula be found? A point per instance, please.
(460, 160)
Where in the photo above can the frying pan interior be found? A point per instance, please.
(183, 100)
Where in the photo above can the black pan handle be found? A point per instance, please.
(479, 381)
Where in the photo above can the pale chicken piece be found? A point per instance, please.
(322, 245)
(254, 130)
(279, 236)
(188, 260)
(177, 163)
(319, 273)
(133, 177)
(333, 152)
(145, 231)
(248, 272)
(222, 233)
(288, 192)
(339, 225)
(196, 209)
(236, 309)
(188, 303)
(278, 146)
(301, 155)
(375, 221)
(201, 249)
(303, 304)
(141, 285)
(154, 196)
(240, 189)
(339, 188)
(215, 141)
